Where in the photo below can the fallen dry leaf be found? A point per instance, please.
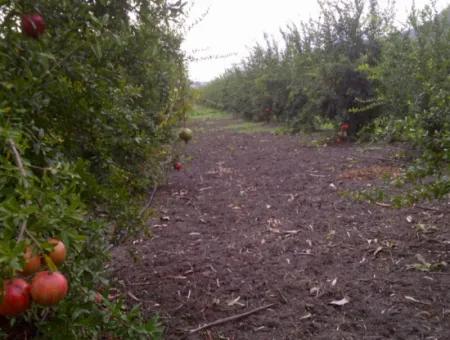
(314, 291)
(341, 302)
(375, 253)
(235, 302)
(306, 316)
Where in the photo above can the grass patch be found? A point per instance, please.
(251, 127)
(205, 113)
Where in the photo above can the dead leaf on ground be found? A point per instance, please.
(425, 266)
(131, 295)
(423, 228)
(235, 302)
(412, 299)
(377, 251)
(306, 316)
(341, 302)
(314, 291)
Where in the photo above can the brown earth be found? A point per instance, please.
(257, 218)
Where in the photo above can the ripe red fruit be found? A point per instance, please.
(98, 298)
(178, 166)
(344, 126)
(59, 252)
(32, 262)
(15, 298)
(33, 25)
(48, 288)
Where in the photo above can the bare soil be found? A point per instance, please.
(258, 218)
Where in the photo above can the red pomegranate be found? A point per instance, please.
(59, 252)
(344, 126)
(178, 166)
(48, 288)
(32, 262)
(15, 298)
(33, 25)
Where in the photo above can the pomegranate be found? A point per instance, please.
(59, 252)
(33, 25)
(32, 262)
(48, 288)
(15, 298)
(178, 166)
(185, 134)
(98, 298)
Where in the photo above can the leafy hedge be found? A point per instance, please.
(86, 112)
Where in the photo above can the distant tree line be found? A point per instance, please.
(354, 65)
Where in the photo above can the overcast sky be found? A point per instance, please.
(234, 26)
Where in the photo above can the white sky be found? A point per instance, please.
(234, 26)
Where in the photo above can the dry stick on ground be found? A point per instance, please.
(428, 208)
(230, 318)
(19, 163)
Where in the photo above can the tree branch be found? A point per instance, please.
(230, 318)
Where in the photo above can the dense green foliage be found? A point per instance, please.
(86, 111)
(353, 65)
(412, 82)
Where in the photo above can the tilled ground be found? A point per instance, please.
(258, 219)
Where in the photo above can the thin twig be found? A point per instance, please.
(26, 231)
(305, 254)
(384, 205)
(17, 159)
(283, 298)
(19, 163)
(230, 318)
(428, 208)
(314, 175)
(139, 283)
(150, 201)
(22, 231)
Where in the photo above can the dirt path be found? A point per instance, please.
(257, 218)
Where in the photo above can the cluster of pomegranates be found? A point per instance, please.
(47, 288)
